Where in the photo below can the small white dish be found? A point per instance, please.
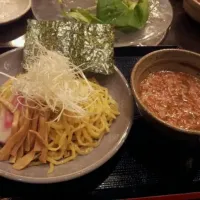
(11, 10)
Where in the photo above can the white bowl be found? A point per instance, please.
(11, 10)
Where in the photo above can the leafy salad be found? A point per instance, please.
(127, 15)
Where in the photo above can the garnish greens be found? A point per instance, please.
(123, 14)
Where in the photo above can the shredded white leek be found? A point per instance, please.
(53, 81)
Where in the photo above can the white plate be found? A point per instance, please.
(11, 10)
(161, 15)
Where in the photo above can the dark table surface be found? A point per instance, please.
(184, 32)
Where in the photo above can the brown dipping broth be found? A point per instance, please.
(174, 97)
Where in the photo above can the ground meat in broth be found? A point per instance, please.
(173, 97)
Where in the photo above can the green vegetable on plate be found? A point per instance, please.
(126, 15)
(83, 15)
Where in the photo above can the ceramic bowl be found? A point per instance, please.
(118, 88)
(172, 60)
(192, 7)
(11, 10)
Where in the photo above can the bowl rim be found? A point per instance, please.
(194, 3)
(137, 96)
(19, 15)
(86, 170)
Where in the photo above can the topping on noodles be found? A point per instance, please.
(173, 97)
(53, 81)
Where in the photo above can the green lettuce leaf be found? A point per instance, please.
(123, 13)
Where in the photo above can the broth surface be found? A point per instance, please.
(173, 97)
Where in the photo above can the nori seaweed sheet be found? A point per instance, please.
(89, 46)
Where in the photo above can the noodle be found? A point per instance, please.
(61, 141)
